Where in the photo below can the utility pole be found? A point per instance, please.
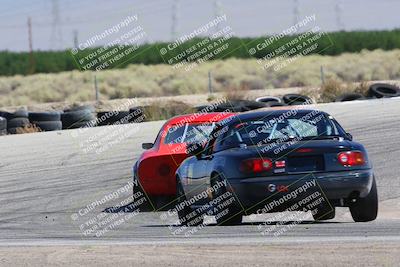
(296, 12)
(96, 88)
(338, 11)
(75, 33)
(217, 13)
(174, 25)
(322, 75)
(31, 68)
(56, 34)
(210, 89)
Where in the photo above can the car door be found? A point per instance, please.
(195, 180)
(201, 171)
(199, 174)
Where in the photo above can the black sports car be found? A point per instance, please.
(273, 161)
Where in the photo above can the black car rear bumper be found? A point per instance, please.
(332, 185)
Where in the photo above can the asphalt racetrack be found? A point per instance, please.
(48, 180)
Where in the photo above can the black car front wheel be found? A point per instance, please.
(366, 209)
(227, 210)
(187, 215)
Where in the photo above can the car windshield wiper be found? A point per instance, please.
(323, 137)
(320, 137)
(291, 138)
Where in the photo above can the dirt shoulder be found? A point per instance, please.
(314, 254)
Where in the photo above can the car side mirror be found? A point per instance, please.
(194, 149)
(147, 145)
(349, 136)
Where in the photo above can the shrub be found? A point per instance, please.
(331, 90)
(166, 110)
(12, 63)
(230, 75)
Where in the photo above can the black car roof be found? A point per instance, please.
(271, 113)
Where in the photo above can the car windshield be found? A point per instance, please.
(309, 126)
(188, 133)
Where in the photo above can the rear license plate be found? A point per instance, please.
(305, 164)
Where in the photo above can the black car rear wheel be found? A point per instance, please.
(366, 209)
(230, 214)
(187, 215)
(324, 213)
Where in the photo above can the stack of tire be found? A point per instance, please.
(383, 90)
(376, 90)
(78, 117)
(296, 99)
(46, 121)
(15, 121)
(138, 114)
(287, 100)
(271, 101)
(134, 115)
(3, 126)
(350, 97)
(112, 117)
(232, 106)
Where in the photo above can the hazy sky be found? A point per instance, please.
(246, 18)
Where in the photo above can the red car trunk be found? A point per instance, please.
(157, 172)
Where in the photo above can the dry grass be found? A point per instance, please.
(236, 93)
(28, 129)
(231, 75)
(362, 88)
(313, 93)
(333, 88)
(166, 110)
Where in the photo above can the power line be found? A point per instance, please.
(42, 11)
(21, 8)
(89, 19)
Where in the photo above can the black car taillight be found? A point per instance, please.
(256, 165)
(351, 158)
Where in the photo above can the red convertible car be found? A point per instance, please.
(154, 171)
